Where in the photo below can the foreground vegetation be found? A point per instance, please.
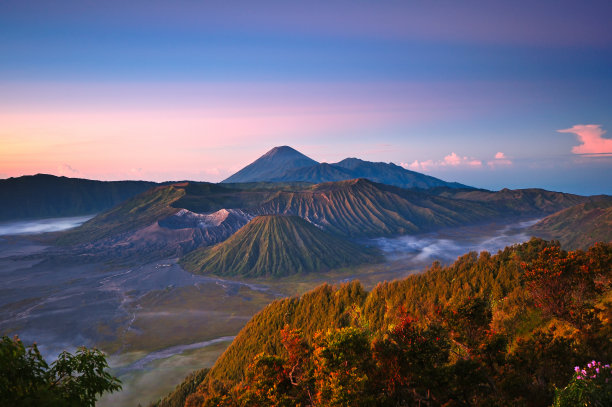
(26, 379)
(514, 328)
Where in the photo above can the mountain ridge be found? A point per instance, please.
(285, 164)
(48, 196)
(171, 220)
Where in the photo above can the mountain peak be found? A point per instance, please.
(267, 167)
(282, 150)
(276, 246)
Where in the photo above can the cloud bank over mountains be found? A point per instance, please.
(453, 160)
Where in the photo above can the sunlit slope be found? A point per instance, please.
(276, 246)
(579, 226)
(361, 208)
(495, 276)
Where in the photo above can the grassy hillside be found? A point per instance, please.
(47, 196)
(579, 226)
(276, 245)
(503, 343)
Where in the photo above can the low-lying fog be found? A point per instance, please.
(419, 251)
(157, 321)
(31, 227)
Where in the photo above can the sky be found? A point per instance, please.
(492, 94)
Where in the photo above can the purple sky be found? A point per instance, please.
(491, 94)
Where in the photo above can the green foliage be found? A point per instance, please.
(410, 362)
(343, 368)
(277, 246)
(590, 386)
(72, 380)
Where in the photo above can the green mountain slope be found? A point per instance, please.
(46, 196)
(360, 208)
(579, 226)
(276, 246)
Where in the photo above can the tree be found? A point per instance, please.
(343, 368)
(410, 361)
(564, 284)
(72, 380)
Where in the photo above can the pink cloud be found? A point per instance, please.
(591, 137)
(417, 165)
(451, 160)
(499, 160)
(454, 160)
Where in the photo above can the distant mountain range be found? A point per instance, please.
(48, 196)
(277, 245)
(284, 164)
(173, 220)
